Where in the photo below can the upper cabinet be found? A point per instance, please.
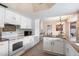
(16, 19)
(25, 23)
(12, 18)
(2, 16)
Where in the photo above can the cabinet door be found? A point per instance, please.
(4, 48)
(28, 23)
(58, 47)
(27, 43)
(2, 16)
(47, 44)
(36, 39)
(10, 17)
(74, 52)
(70, 51)
(18, 19)
(23, 22)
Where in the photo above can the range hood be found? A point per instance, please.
(8, 27)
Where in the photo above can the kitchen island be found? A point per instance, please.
(60, 46)
(54, 45)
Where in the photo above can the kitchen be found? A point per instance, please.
(20, 34)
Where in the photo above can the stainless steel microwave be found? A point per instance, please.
(27, 33)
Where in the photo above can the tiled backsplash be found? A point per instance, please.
(18, 32)
(8, 34)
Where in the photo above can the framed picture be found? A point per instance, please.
(59, 27)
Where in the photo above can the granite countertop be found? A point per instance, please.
(3, 39)
(12, 38)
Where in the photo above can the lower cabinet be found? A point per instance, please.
(54, 45)
(69, 50)
(28, 42)
(36, 39)
(58, 46)
(47, 44)
(4, 48)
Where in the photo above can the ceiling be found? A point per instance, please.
(59, 9)
(28, 9)
(63, 18)
(42, 6)
(43, 10)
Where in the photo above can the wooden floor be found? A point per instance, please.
(37, 51)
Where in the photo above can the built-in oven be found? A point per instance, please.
(15, 46)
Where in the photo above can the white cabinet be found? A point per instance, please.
(47, 44)
(4, 48)
(58, 46)
(28, 22)
(25, 23)
(12, 18)
(31, 41)
(2, 16)
(28, 42)
(69, 50)
(55, 45)
(36, 39)
(18, 19)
